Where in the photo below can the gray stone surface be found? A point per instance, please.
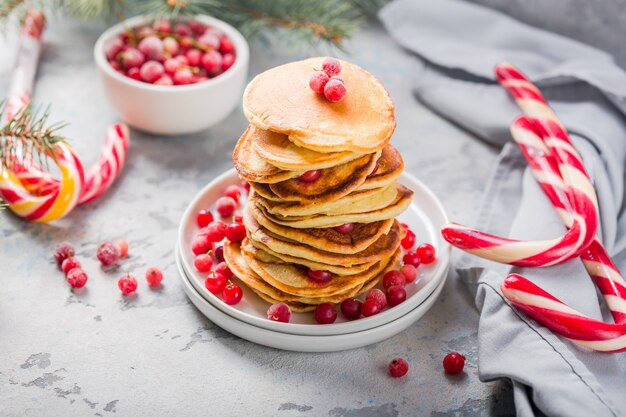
(92, 352)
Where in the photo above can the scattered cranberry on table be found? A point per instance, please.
(77, 278)
(453, 363)
(127, 284)
(154, 276)
(63, 251)
(279, 312)
(108, 253)
(325, 313)
(69, 264)
(398, 367)
(123, 247)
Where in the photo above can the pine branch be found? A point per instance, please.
(8, 6)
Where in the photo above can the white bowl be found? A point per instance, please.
(173, 110)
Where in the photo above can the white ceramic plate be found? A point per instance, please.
(304, 343)
(425, 216)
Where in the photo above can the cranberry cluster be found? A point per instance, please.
(166, 54)
(328, 82)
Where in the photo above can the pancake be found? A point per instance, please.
(281, 100)
(362, 236)
(252, 168)
(382, 248)
(401, 202)
(280, 152)
(355, 202)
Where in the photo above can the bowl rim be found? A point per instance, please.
(241, 47)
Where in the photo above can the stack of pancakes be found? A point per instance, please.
(290, 222)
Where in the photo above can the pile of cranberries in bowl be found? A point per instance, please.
(171, 53)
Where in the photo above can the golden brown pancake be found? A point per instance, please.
(252, 167)
(279, 151)
(281, 100)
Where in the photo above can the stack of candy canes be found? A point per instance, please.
(31, 192)
(559, 170)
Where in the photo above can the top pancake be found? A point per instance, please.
(281, 100)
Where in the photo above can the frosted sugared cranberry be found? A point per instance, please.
(325, 313)
(113, 47)
(370, 308)
(182, 29)
(183, 76)
(396, 295)
(197, 27)
(172, 65)
(377, 296)
(453, 363)
(409, 272)
(203, 262)
(235, 232)
(351, 308)
(154, 276)
(215, 231)
(398, 367)
(164, 80)
(222, 268)
(344, 228)
(215, 283)
(63, 251)
(203, 218)
(279, 312)
(392, 278)
(162, 26)
(108, 253)
(225, 206)
(123, 246)
(226, 46)
(320, 276)
(426, 253)
(134, 73)
(201, 244)
(151, 47)
(331, 67)
(335, 90)
(127, 284)
(231, 294)
(145, 31)
(186, 43)
(210, 41)
(212, 62)
(215, 31)
(117, 67)
(69, 264)
(227, 61)
(170, 46)
(318, 81)
(409, 240)
(311, 176)
(151, 71)
(219, 253)
(193, 57)
(411, 258)
(131, 58)
(233, 192)
(77, 278)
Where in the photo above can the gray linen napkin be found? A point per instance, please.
(457, 45)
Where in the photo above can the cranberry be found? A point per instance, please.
(335, 90)
(162, 26)
(325, 313)
(226, 46)
(225, 206)
(117, 67)
(183, 60)
(398, 367)
(279, 312)
(409, 271)
(453, 363)
(212, 62)
(320, 276)
(409, 240)
(331, 66)
(411, 258)
(215, 231)
(151, 47)
(235, 232)
(164, 80)
(154, 276)
(186, 43)
(203, 218)
(196, 27)
(183, 76)
(238, 218)
(134, 73)
(123, 246)
(215, 283)
(210, 41)
(232, 293)
(63, 251)
(396, 295)
(170, 46)
(171, 65)
(219, 253)
(222, 268)
(145, 31)
(108, 253)
(203, 262)
(77, 278)
(404, 226)
(182, 29)
(311, 176)
(318, 81)
(376, 167)
(113, 47)
(370, 308)
(227, 61)
(344, 229)
(233, 192)
(392, 278)
(193, 57)
(215, 31)
(426, 253)
(351, 308)
(246, 186)
(127, 284)
(377, 296)
(151, 71)
(201, 244)
(131, 58)
(69, 264)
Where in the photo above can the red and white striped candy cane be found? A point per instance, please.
(561, 319)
